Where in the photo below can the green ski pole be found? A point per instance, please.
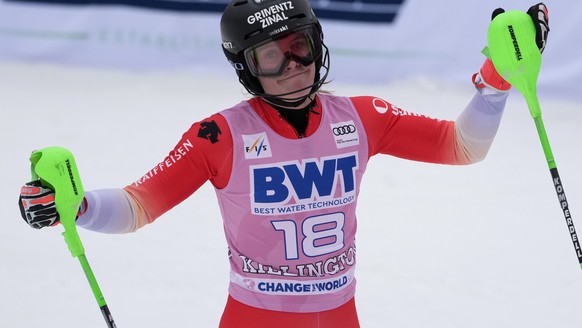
(515, 55)
(56, 168)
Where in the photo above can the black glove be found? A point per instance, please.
(37, 205)
(541, 19)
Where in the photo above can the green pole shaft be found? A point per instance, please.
(545, 142)
(92, 280)
(536, 113)
(77, 250)
(96, 291)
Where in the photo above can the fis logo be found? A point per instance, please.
(331, 179)
(257, 146)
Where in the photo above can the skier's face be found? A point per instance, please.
(294, 77)
(286, 64)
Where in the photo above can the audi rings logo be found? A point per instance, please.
(344, 129)
(345, 134)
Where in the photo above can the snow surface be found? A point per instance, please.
(438, 246)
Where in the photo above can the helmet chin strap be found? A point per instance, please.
(288, 104)
(298, 101)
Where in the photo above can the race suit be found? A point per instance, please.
(288, 201)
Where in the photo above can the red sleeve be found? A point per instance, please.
(394, 131)
(203, 153)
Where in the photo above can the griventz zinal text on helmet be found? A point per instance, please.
(271, 15)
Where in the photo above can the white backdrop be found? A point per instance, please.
(441, 40)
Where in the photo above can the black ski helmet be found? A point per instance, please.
(246, 23)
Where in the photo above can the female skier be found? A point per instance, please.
(286, 166)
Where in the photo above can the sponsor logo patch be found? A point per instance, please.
(209, 131)
(257, 146)
(345, 134)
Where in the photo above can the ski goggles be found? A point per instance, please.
(271, 57)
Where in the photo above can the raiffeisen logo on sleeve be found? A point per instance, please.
(257, 146)
(271, 15)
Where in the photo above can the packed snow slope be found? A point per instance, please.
(477, 246)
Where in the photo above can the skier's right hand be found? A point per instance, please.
(37, 205)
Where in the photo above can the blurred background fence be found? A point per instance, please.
(371, 41)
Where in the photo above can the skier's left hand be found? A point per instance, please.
(487, 75)
(539, 14)
(541, 19)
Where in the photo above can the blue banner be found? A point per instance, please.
(370, 41)
(379, 11)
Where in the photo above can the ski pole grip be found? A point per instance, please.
(56, 168)
(511, 46)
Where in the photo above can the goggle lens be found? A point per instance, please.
(270, 58)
